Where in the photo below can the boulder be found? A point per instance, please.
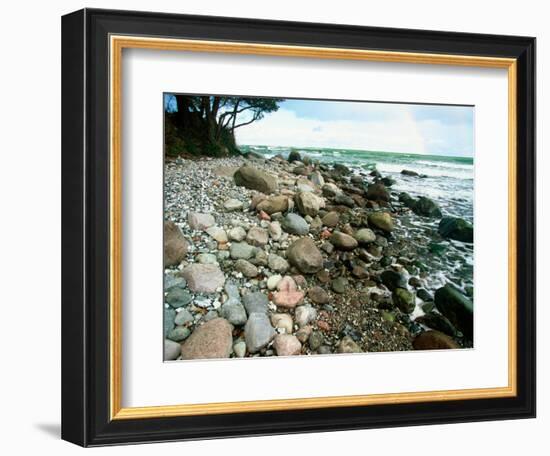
(242, 250)
(258, 332)
(308, 203)
(426, 207)
(393, 279)
(457, 229)
(218, 234)
(331, 190)
(404, 300)
(343, 241)
(273, 204)
(256, 302)
(378, 192)
(407, 200)
(175, 244)
(318, 295)
(382, 221)
(277, 263)
(246, 268)
(172, 350)
(283, 322)
(288, 296)
(407, 172)
(203, 278)
(434, 340)
(304, 315)
(438, 322)
(287, 345)
(198, 221)
(294, 224)
(344, 200)
(348, 345)
(305, 256)
(294, 155)
(457, 308)
(257, 236)
(254, 179)
(213, 339)
(233, 205)
(317, 178)
(331, 219)
(365, 236)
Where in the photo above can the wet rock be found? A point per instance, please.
(343, 241)
(438, 322)
(294, 155)
(457, 229)
(246, 268)
(304, 315)
(258, 332)
(434, 340)
(203, 278)
(233, 205)
(403, 300)
(286, 345)
(426, 207)
(407, 172)
(423, 294)
(387, 181)
(175, 244)
(318, 295)
(273, 204)
(378, 192)
(198, 221)
(256, 302)
(365, 236)
(393, 279)
(254, 179)
(242, 251)
(212, 340)
(348, 345)
(237, 234)
(282, 321)
(382, 221)
(277, 263)
(341, 169)
(172, 350)
(457, 308)
(295, 224)
(305, 256)
(257, 236)
(407, 200)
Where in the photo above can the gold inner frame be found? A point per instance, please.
(117, 44)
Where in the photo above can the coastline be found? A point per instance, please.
(278, 257)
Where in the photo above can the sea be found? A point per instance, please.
(448, 180)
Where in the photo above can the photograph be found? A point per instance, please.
(316, 227)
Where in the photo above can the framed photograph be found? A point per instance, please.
(279, 227)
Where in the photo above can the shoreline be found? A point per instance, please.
(323, 260)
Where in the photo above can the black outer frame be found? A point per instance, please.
(85, 227)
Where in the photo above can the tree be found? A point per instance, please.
(214, 117)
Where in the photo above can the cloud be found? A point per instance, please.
(367, 126)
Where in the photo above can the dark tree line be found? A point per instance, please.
(209, 122)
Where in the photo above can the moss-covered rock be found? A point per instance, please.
(426, 207)
(457, 229)
(403, 300)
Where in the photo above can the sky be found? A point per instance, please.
(388, 127)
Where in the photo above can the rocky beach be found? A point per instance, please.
(286, 255)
